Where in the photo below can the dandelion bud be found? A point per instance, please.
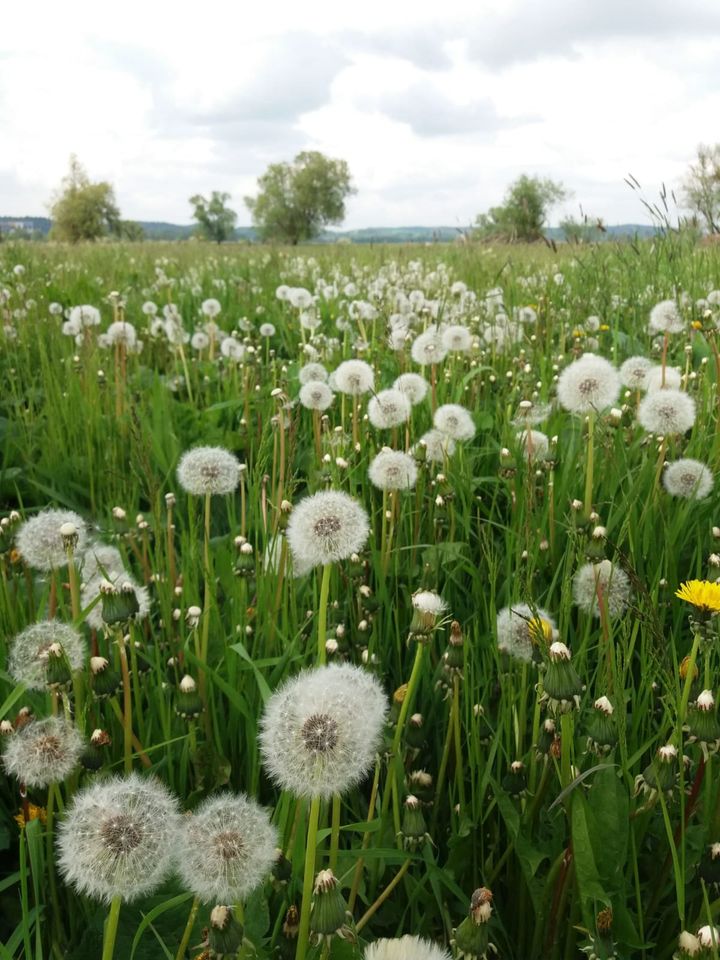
(6, 728)
(428, 606)
(577, 505)
(470, 939)
(414, 829)
(689, 945)
(104, 679)
(192, 616)
(714, 559)
(225, 933)
(118, 605)
(420, 785)
(546, 738)
(599, 533)
(602, 729)
(515, 781)
(702, 719)
(291, 924)
(170, 500)
(92, 756)
(331, 646)
(685, 667)
(329, 908)
(70, 535)
(709, 936)
(562, 685)
(189, 704)
(660, 774)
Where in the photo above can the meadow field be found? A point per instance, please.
(341, 602)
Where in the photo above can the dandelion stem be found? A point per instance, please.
(589, 467)
(322, 613)
(187, 932)
(366, 838)
(689, 677)
(373, 908)
(308, 878)
(335, 831)
(127, 705)
(111, 928)
(390, 786)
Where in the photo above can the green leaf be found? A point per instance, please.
(157, 911)
(592, 893)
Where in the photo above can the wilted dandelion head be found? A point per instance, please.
(667, 412)
(590, 383)
(634, 371)
(405, 948)
(320, 730)
(354, 377)
(428, 348)
(605, 579)
(40, 543)
(535, 444)
(688, 478)
(454, 421)
(521, 627)
(392, 470)
(226, 848)
(204, 470)
(312, 371)
(326, 527)
(665, 318)
(389, 408)
(42, 751)
(28, 656)
(316, 395)
(413, 386)
(654, 379)
(118, 838)
(436, 446)
(456, 339)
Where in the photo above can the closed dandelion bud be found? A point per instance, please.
(282, 868)
(602, 730)
(329, 908)
(414, 733)
(6, 728)
(471, 939)
(702, 719)
(685, 668)
(414, 829)
(59, 673)
(225, 933)
(709, 937)
(485, 732)
(192, 616)
(561, 683)
(118, 605)
(105, 680)
(70, 535)
(92, 756)
(688, 945)
(660, 774)
(420, 784)
(397, 702)
(291, 924)
(546, 738)
(245, 563)
(453, 658)
(515, 781)
(189, 705)
(428, 607)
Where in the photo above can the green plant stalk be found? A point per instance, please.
(111, 928)
(308, 879)
(455, 714)
(366, 838)
(335, 831)
(390, 786)
(322, 614)
(373, 908)
(187, 932)
(127, 705)
(689, 677)
(589, 466)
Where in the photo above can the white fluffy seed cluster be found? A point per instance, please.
(454, 421)
(40, 543)
(42, 752)
(413, 386)
(535, 444)
(212, 470)
(604, 578)
(326, 527)
(667, 412)
(514, 626)
(226, 848)
(316, 395)
(389, 408)
(405, 948)
(320, 730)
(689, 479)
(428, 348)
(28, 656)
(588, 384)
(665, 318)
(634, 371)
(393, 470)
(437, 445)
(354, 377)
(117, 838)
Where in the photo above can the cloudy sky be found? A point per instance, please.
(435, 106)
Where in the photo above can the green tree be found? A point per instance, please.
(216, 221)
(296, 200)
(524, 212)
(701, 186)
(82, 210)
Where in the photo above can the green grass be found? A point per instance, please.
(483, 529)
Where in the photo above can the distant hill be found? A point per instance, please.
(38, 227)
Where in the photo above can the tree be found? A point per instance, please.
(216, 221)
(296, 200)
(523, 214)
(701, 186)
(82, 210)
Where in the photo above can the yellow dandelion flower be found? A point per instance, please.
(696, 325)
(34, 813)
(604, 326)
(399, 695)
(540, 629)
(702, 594)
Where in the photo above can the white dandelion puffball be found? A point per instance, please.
(413, 386)
(634, 371)
(84, 316)
(267, 330)
(232, 349)
(667, 412)
(437, 445)
(42, 751)
(101, 558)
(456, 339)
(211, 470)
(535, 444)
(118, 838)
(689, 479)
(654, 379)
(393, 470)
(210, 307)
(326, 527)
(604, 578)
(429, 602)
(121, 333)
(199, 340)
(517, 626)
(40, 543)
(321, 730)
(354, 377)
(389, 408)
(312, 371)
(454, 421)
(590, 383)
(316, 395)
(28, 655)
(226, 848)
(405, 948)
(428, 348)
(665, 318)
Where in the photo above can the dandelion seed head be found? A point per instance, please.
(665, 318)
(456, 339)
(326, 527)
(414, 386)
(689, 479)
(667, 412)
(121, 333)
(354, 377)
(212, 470)
(101, 556)
(40, 543)
(519, 627)
(633, 372)
(42, 752)
(455, 421)
(405, 948)
(535, 444)
(436, 445)
(389, 408)
(429, 602)
(588, 384)
(428, 348)
(607, 579)
(312, 371)
(392, 470)
(316, 395)
(654, 379)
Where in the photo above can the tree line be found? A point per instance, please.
(296, 200)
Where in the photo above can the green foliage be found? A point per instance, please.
(582, 231)
(130, 230)
(83, 210)
(701, 186)
(295, 200)
(524, 212)
(216, 221)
